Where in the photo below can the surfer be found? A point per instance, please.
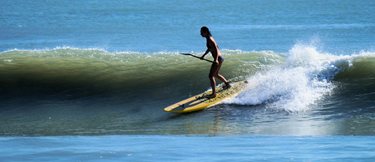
(218, 60)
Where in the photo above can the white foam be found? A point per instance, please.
(294, 86)
(53, 49)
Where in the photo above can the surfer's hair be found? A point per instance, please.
(205, 29)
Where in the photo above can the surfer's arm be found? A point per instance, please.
(205, 53)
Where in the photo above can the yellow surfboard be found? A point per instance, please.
(202, 101)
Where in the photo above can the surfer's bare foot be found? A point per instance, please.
(227, 85)
(212, 96)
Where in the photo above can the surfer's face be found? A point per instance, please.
(203, 34)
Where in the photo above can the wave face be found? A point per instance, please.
(77, 73)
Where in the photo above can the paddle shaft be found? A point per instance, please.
(197, 57)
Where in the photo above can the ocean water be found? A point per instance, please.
(77, 76)
(183, 148)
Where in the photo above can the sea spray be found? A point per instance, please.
(294, 85)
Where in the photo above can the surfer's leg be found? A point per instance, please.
(211, 76)
(219, 76)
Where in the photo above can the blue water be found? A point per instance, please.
(87, 80)
(339, 26)
(193, 148)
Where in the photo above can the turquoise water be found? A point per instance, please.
(194, 148)
(88, 80)
(151, 25)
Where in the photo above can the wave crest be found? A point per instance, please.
(306, 77)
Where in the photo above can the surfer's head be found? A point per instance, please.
(205, 32)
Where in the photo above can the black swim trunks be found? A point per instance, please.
(220, 59)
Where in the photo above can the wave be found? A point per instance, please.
(84, 72)
(291, 82)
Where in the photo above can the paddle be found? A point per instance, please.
(188, 54)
